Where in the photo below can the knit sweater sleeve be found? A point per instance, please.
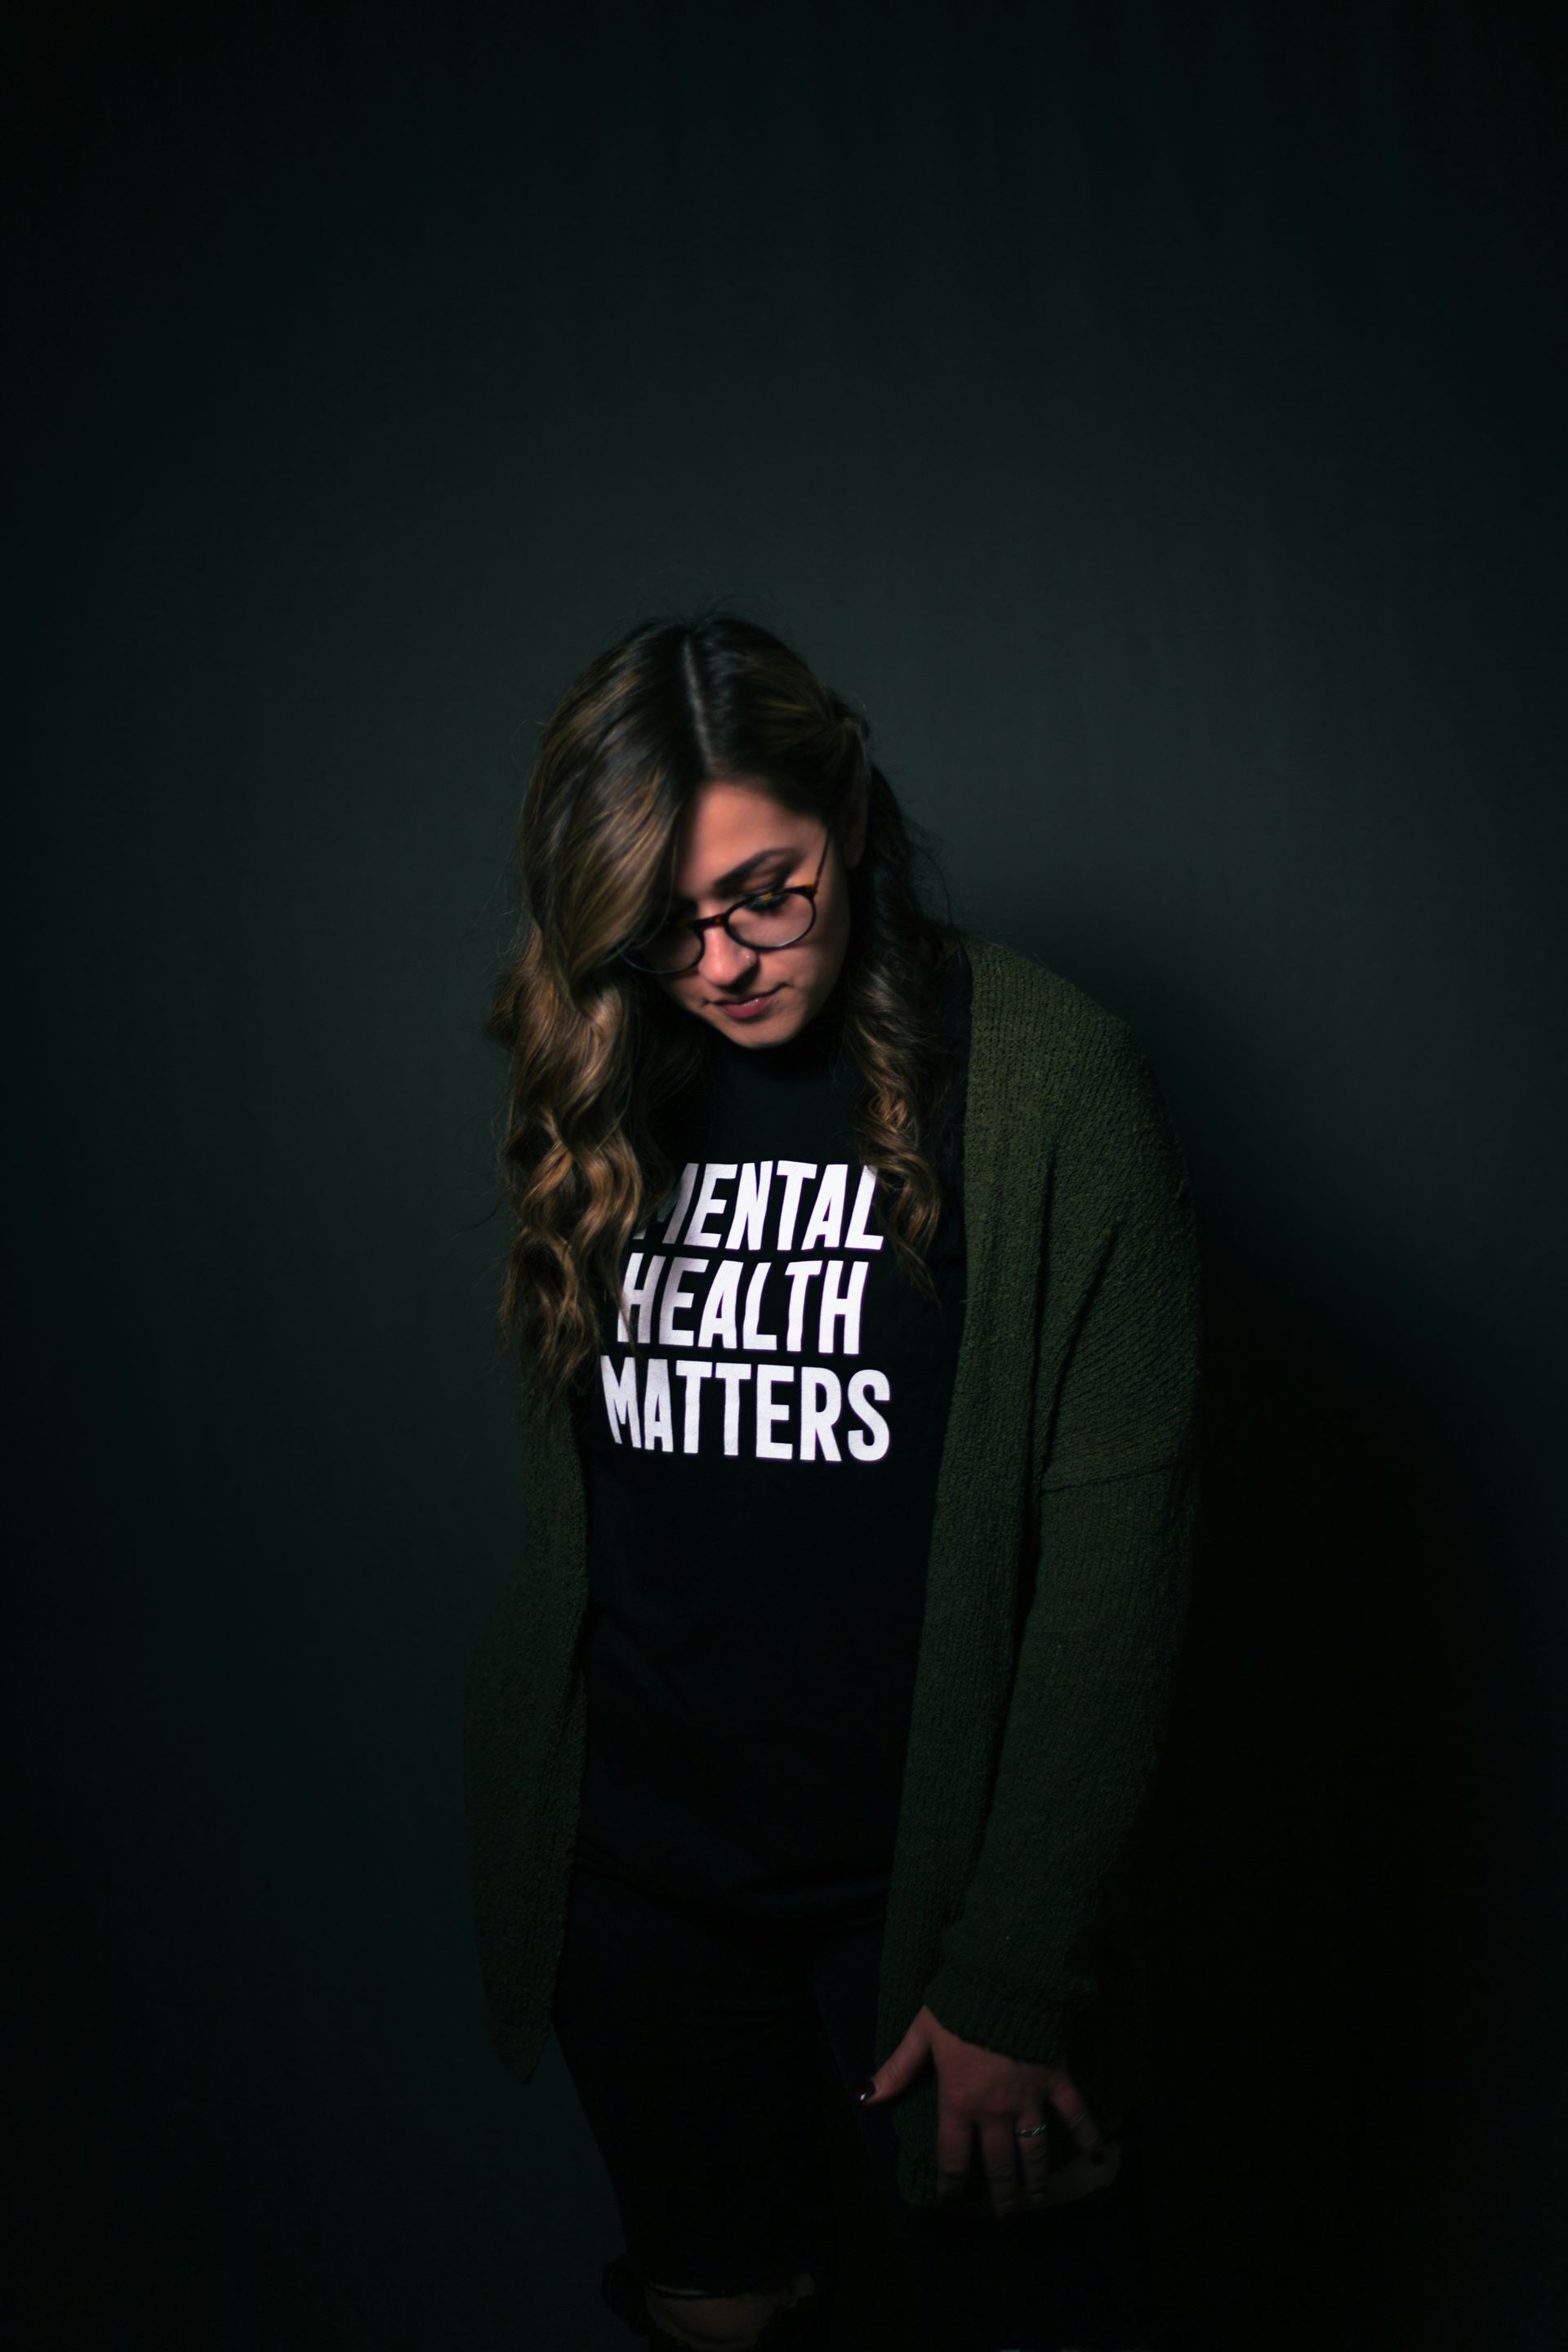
(1118, 1395)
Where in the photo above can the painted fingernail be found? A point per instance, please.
(866, 2091)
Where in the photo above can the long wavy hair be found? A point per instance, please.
(599, 1058)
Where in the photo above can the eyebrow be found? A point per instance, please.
(739, 873)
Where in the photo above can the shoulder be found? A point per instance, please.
(1044, 1047)
(1055, 1053)
(1024, 1013)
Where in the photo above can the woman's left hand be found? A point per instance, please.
(979, 2090)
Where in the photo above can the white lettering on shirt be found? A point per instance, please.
(708, 1204)
(826, 1221)
(841, 1308)
(769, 1413)
(708, 1310)
(670, 1333)
(874, 1444)
(639, 1295)
(861, 1235)
(795, 1173)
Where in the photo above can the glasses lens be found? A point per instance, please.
(674, 949)
(774, 920)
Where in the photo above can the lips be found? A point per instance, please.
(746, 1008)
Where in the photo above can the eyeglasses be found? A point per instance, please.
(768, 918)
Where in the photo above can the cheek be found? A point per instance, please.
(686, 996)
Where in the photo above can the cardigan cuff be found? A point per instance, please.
(1031, 2031)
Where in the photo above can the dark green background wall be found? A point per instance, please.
(1149, 414)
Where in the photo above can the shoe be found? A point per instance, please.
(798, 2327)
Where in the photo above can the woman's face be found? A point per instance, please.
(738, 840)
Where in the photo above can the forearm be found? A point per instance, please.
(1085, 1723)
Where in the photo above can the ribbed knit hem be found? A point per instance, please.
(1017, 2029)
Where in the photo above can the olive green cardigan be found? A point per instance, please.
(1056, 1589)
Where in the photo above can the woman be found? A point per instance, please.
(855, 1291)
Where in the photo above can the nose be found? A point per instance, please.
(725, 960)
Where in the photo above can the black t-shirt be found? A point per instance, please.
(760, 1473)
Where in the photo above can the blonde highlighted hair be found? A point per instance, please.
(597, 1053)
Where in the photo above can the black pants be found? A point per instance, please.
(692, 2038)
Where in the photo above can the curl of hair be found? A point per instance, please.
(599, 1059)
